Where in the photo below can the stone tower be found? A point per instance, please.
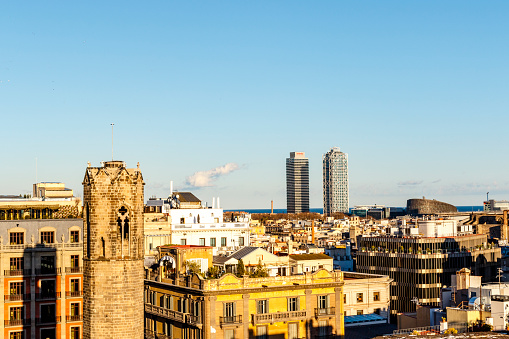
(113, 252)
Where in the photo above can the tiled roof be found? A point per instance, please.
(309, 256)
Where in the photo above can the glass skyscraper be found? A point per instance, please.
(335, 182)
(297, 183)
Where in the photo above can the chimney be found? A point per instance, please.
(313, 232)
(218, 206)
(503, 233)
(213, 202)
(272, 207)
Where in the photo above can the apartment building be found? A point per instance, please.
(41, 276)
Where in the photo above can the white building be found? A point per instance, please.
(335, 182)
(169, 222)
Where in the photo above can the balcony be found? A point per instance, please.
(17, 322)
(47, 320)
(279, 316)
(325, 312)
(48, 271)
(233, 320)
(72, 318)
(17, 297)
(166, 313)
(74, 294)
(14, 273)
(154, 335)
(74, 270)
(47, 296)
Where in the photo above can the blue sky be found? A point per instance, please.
(415, 92)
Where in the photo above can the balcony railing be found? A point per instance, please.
(236, 319)
(279, 316)
(47, 296)
(71, 318)
(46, 245)
(13, 273)
(47, 320)
(17, 322)
(48, 271)
(164, 312)
(74, 269)
(154, 335)
(17, 297)
(325, 312)
(193, 319)
(74, 294)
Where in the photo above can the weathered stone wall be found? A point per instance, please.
(425, 206)
(113, 252)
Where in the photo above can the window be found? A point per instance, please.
(360, 312)
(48, 313)
(16, 335)
(229, 310)
(261, 332)
(16, 238)
(262, 306)
(75, 237)
(223, 241)
(16, 313)
(75, 261)
(293, 304)
(75, 309)
(293, 330)
(376, 296)
(323, 301)
(47, 289)
(75, 332)
(213, 242)
(202, 241)
(48, 237)
(344, 298)
(16, 289)
(75, 285)
(360, 297)
(182, 220)
(378, 311)
(16, 264)
(183, 241)
(47, 264)
(322, 328)
(241, 241)
(229, 334)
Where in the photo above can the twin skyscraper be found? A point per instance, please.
(335, 182)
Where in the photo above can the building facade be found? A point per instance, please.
(335, 182)
(41, 276)
(421, 266)
(302, 306)
(297, 183)
(113, 252)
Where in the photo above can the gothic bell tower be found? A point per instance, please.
(113, 252)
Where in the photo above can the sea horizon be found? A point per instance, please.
(320, 210)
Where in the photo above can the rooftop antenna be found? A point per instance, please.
(36, 170)
(112, 141)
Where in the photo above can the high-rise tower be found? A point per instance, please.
(335, 181)
(113, 252)
(297, 183)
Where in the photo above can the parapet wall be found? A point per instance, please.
(425, 206)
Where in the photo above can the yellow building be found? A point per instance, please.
(301, 306)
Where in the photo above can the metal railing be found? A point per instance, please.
(236, 319)
(47, 296)
(12, 273)
(74, 294)
(419, 330)
(74, 269)
(279, 316)
(17, 297)
(17, 322)
(78, 317)
(46, 245)
(47, 320)
(48, 271)
(327, 311)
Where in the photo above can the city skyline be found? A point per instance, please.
(213, 96)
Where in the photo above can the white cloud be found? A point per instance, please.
(205, 178)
